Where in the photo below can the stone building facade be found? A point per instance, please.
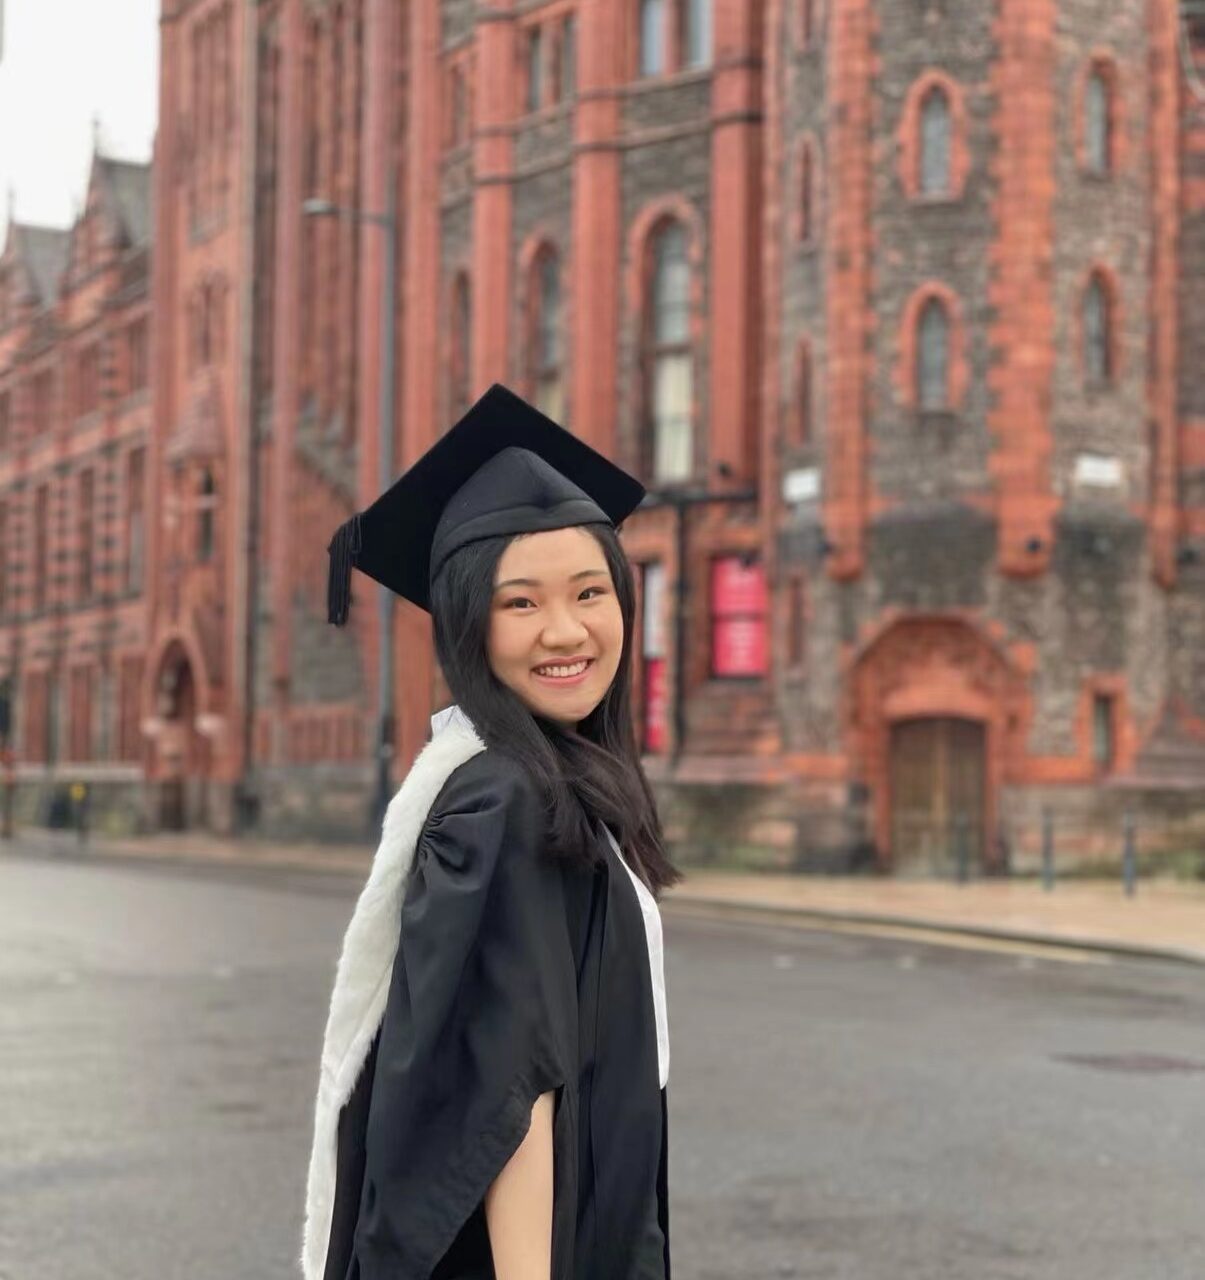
(895, 307)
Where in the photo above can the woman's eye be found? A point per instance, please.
(510, 604)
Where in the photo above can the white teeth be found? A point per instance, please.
(574, 670)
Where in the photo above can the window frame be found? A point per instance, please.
(935, 93)
(542, 372)
(1097, 380)
(933, 305)
(660, 351)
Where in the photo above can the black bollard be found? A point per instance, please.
(1129, 857)
(1047, 849)
(79, 794)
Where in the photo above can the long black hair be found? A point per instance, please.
(593, 773)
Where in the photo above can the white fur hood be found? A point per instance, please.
(366, 965)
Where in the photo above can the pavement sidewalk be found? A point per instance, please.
(1164, 920)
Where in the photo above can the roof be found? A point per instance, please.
(130, 186)
(44, 251)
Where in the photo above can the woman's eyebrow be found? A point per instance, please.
(535, 582)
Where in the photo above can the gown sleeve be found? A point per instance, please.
(480, 1020)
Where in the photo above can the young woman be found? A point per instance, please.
(492, 1101)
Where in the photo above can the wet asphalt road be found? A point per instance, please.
(842, 1106)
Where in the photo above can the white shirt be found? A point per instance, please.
(648, 909)
(656, 945)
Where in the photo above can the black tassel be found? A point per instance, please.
(344, 550)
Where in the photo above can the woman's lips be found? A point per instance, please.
(564, 682)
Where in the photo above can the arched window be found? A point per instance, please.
(1097, 321)
(1098, 124)
(545, 338)
(568, 59)
(206, 511)
(807, 195)
(695, 20)
(535, 69)
(804, 398)
(933, 357)
(935, 143)
(669, 359)
(458, 129)
(807, 22)
(459, 367)
(652, 37)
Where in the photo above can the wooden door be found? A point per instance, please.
(937, 796)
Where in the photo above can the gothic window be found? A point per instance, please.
(804, 398)
(935, 143)
(807, 195)
(1097, 122)
(1104, 745)
(43, 401)
(460, 365)
(652, 37)
(136, 519)
(1097, 323)
(137, 368)
(85, 534)
(535, 69)
(933, 356)
(41, 547)
(206, 516)
(79, 730)
(807, 21)
(458, 129)
(569, 57)
(668, 357)
(545, 341)
(87, 380)
(129, 740)
(695, 18)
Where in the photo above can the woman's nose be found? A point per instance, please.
(562, 626)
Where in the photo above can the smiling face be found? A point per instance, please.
(555, 606)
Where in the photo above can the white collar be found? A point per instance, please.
(449, 715)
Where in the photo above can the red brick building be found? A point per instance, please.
(75, 425)
(895, 307)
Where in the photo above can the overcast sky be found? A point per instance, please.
(66, 62)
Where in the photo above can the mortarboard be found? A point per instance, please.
(504, 468)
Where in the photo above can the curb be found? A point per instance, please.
(100, 854)
(821, 918)
(681, 902)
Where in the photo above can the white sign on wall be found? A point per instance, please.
(1098, 471)
(801, 485)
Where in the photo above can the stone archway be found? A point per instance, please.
(957, 686)
(181, 753)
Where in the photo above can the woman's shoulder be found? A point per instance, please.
(491, 787)
(490, 768)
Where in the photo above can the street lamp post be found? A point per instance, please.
(387, 222)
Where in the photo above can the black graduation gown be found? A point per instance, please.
(516, 973)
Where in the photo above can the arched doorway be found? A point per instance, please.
(938, 707)
(181, 766)
(937, 785)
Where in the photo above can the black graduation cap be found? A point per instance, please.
(503, 468)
